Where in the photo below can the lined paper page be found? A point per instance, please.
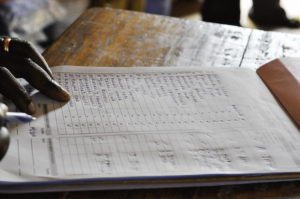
(123, 122)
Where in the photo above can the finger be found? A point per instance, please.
(3, 111)
(25, 49)
(13, 90)
(39, 79)
(4, 141)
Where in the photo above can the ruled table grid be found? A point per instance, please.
(142, 102)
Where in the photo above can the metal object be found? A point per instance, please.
(6, 44)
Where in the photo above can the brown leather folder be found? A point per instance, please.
(283, 84)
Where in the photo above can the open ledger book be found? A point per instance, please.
(152, 127)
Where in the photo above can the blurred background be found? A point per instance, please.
(42, 21)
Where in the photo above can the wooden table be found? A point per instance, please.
(106, 37)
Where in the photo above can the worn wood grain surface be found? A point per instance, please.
(106, 37)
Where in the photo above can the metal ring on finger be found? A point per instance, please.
(6, 44)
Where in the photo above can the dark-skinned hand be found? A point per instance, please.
(23, 61)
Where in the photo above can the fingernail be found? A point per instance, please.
(31, 108)
(66, 95)
(63, 95)
(3, 109)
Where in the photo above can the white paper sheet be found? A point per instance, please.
(123, 122)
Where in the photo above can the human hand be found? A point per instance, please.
(4, 135)
(19, 59)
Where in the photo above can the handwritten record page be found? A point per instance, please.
(128, 122)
